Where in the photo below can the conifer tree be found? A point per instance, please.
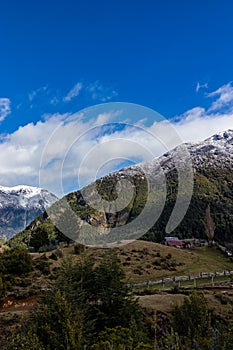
(209, 224)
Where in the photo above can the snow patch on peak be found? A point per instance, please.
(216, 151)
(28, 191)
(26, 196)
(221, 136)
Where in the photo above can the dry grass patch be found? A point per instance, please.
(161, 302)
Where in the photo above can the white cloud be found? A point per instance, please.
(54, 100)
(201, 86)
(224, 97)
(48, 96)
(74, 92)
(202, 126)
(65, 141)
(191, 114)
(101, 92)
(33, 94)
(5, 109)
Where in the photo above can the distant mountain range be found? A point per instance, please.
(212, 162)
(20, 205)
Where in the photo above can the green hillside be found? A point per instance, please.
(211, 186)
(29, 279)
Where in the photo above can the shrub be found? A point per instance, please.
(79, 248)
(53, 256)
(15, 262)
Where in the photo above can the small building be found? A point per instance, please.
(174, 242)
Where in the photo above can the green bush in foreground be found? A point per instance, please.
(15, 261)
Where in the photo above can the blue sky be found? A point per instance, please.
(150, 52)
(58, 57)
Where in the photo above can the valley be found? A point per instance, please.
(161, 280)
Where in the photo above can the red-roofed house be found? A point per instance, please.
(174, 242)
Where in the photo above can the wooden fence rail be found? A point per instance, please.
(174, 279)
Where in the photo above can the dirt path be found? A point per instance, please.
(11, 304)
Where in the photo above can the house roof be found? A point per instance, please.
(171, 238)
(179, 243)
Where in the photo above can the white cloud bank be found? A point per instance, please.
(63, 142)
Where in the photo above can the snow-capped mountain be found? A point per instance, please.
(19, 205)
(212, 162)
(217, 150)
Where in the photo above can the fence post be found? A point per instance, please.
(163, 283)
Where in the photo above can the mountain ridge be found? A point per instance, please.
(212, 162)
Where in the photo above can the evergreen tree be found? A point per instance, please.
(191, 321)
(39, 238)
(2, 289)
(100, 291)
(209, 224)
(52, 326)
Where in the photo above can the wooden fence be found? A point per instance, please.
(178, 279)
